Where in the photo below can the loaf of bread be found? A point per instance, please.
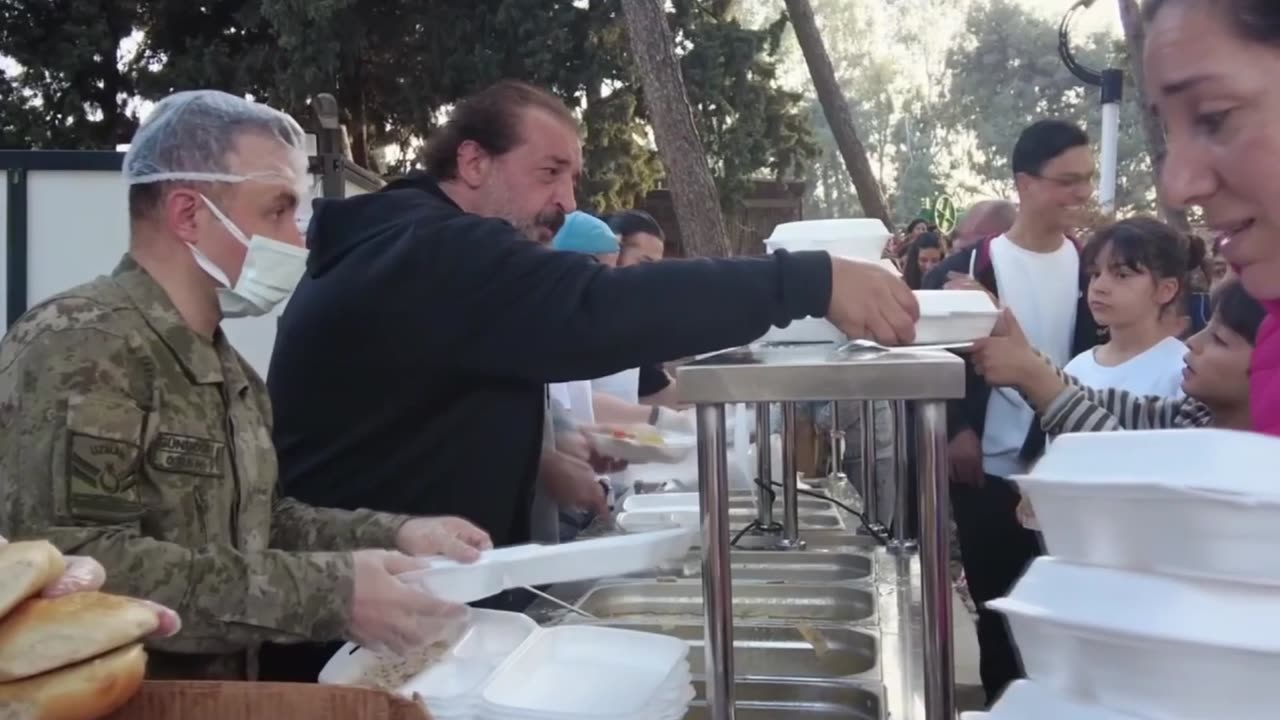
(90, 689)
(26, 568)
(44, 634)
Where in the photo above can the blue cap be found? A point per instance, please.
(584, 233)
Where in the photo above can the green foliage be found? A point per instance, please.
(1005, 74)
(71, 90)
(394, 66)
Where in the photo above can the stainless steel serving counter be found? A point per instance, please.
(829, 624)
(789, 374)
(834, 631)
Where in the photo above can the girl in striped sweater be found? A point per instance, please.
(1216, 380)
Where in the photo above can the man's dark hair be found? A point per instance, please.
(1042, 142)
(491, 119)
(1255, 20)
(631, 222)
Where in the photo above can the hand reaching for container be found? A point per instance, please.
(869, 302)
(389, 615)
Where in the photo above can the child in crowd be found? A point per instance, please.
(1139, 270)
(1215, 380)
(924, 255)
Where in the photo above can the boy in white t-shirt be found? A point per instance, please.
(1035, 270)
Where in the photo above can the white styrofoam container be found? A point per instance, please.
(1025, 700)
(525, 565)
(455, 687)
(646, 521)
(1197, 503)
(662, 501)
(585, 671)
(489, 638)
(856, 238)
(1148, 645)
(954, 316)
(675, 448)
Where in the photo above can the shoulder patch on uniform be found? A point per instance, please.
(185, 454)
(102, 478)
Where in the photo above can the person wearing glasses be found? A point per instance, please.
(1034, 269)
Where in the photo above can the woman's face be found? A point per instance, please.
(1219, 101)
(1217, 371)
(928, 259)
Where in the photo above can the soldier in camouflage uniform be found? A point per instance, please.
(131, 431)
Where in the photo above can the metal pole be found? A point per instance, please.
(764, 467)
(717, 588)
(1112, 95)
(790, 498)
(329, 145)
(866, 483)
(901, 475)
(935, 566)
(837, 441)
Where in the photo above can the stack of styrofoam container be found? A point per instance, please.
(852, 238)
(1161, 596)
(506, 668)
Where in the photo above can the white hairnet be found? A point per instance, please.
(192, 135)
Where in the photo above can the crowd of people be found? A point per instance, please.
(448, 338)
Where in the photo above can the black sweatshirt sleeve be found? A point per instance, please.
(512, 308)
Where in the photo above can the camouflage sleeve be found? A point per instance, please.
(228, 600)
(298, 526)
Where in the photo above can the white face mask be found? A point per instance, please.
(270, 272)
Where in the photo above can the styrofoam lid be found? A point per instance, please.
(1221, 461)
(1140, 606)
(531, 565)
(829, 230)
(950, 302)
(1024, 700)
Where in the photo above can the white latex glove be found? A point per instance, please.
(680, 422)
(84, 574)
(451, 537)
(390, 616)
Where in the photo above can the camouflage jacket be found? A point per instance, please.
(127, 436)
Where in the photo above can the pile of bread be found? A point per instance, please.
(75, 657)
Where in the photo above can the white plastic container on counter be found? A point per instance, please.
(1025, 700)
(1148, 645)
(450, 687)
(579, 671)
(1196, 503)
(853, 238)
(856, 238)
(504, 667)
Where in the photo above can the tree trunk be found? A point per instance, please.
(836, 109)
(1135, 39)
(693, 192)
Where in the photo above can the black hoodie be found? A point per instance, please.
(409, 367)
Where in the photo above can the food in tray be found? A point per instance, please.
(640, 435)
(391, 673)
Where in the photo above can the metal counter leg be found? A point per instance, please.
(717, 588)
(764, 467)
(935, 565)
(790, 498)
(866, 483)
(903, 487)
